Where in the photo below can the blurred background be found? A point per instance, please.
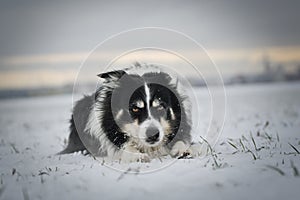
(43, 43)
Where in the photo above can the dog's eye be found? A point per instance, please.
(160, 107)
(135, 109)
(158, 104)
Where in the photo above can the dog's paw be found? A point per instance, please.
(131, 154)
(180, 149)
(129, 157)
(197, 149)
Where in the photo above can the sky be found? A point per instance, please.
(43, 43)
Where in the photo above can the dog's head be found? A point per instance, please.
(146, 108)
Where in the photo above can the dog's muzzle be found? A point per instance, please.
(152, 134)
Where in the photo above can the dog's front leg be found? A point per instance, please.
(179, 149)
(131, 154)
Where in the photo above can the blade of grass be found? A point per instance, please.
(276, 169)
(252, 139)
(294, 148)
(13, 146)
(253, 155)
(266, 124)
(232, 145)
(244, 138)
(277, 137)
(124, 173)
(212, 153)
(295, 170)
(242, 145)
(268, 136)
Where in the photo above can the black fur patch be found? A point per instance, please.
(108, 124)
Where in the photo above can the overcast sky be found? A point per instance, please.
(33, 31)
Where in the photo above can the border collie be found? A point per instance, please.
(131, 117)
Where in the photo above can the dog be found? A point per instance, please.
(132, 117)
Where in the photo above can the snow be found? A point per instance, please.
(255, 157)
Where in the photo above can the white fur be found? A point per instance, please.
(155, 103)
(131, 154)
(94, 128)
(179, 148)
(172, 114)
(147, 92)
(140, 104)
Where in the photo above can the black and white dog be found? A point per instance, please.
(131, 118)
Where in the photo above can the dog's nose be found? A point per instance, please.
(152, 134)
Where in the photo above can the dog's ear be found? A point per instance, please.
(112, 75)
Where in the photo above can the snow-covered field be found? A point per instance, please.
(256, 157)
